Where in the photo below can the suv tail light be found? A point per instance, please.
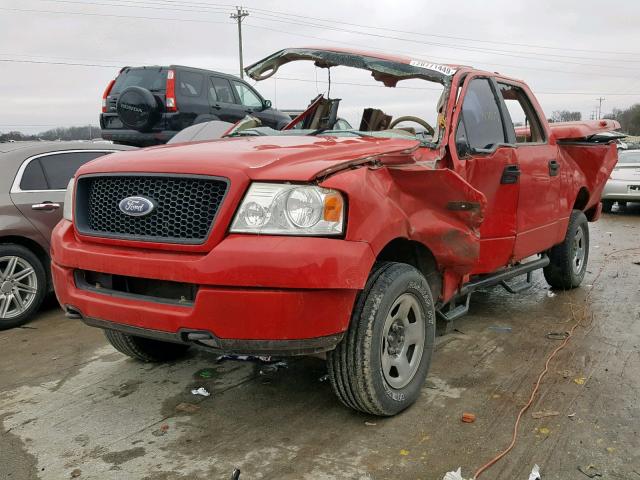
(106, 93)
(172, 106)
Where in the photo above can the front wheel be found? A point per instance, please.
(607, 205)
(381, 364)
(568, 260)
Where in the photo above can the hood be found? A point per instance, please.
(294, 158)
(384, 68)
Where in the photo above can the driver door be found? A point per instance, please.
(490, 165)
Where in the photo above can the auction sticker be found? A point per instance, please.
(436, 67)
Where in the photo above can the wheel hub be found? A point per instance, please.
(6, 287)
(395, 338)
(402, 342)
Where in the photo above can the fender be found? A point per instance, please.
(435, 207)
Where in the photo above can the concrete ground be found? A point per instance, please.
(72, 407)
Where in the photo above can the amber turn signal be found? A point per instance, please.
(332, 208)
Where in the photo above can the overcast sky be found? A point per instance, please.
(589, 51)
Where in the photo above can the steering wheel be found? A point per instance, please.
(409, 118)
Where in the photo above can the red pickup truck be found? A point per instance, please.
(348, 242)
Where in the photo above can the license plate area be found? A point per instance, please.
(633, 189)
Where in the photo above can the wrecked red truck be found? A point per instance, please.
(348, 242)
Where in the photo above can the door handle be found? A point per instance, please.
(216, 106)
(510, 175)
(46, 206)
(554, 167)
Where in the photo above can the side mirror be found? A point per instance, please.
(266, 104)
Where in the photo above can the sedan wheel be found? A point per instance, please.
(23, 285)
(18, 286)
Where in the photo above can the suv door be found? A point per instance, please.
(222, 102)
(491, 166)
(538, 222)
(41, 182)
(253, 104)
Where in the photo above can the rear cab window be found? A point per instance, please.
(153, 79)
(522, 121)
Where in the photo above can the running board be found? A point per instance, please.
(459, 305)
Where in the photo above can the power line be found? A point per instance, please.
(24, 10)
(293, 79)
(275, 18)
(215, 6)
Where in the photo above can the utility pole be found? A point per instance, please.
(239, 15)
(600, 99)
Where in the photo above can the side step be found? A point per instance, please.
(459, 305)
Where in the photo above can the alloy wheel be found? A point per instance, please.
(18, 286)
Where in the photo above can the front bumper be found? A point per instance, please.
(620, 190)
(255, 293)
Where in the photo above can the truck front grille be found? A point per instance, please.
(184, 206)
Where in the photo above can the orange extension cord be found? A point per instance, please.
(514, 437)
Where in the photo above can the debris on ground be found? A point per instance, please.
(580, 380)
(76, 473)
(245, 358)
(201, 391)
(187, 407)
(324, 378)
(370, 424)
(571, 415)
(544, 414)
(535, 473)
(557, 335)
(235, 475)
(543, 430)
(457, 475)
(164, 428)
(468, 417)
(500, 329)
(636, 263)
(590, 471)
(404, 452)
(273, 367)
(206, 373)
(551, 293)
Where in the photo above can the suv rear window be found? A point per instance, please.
(153, 79)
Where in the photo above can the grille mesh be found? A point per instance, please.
(184, 212)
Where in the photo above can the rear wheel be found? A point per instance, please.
(380, 365)
(145, 349)
(568, 260)
(23, 285)
(607, 205)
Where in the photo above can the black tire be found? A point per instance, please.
(145, 349)
(622, 205)
(563, 271)
(27, 257)
(607, 205)
(355, 366)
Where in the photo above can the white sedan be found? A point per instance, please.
(624, 183)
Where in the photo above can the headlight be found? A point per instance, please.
(280, 209)
(68, 200)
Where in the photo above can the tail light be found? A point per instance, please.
(106, 93)
(172, 106)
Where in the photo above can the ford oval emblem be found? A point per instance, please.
(136, 206)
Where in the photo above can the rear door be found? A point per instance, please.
(538, 219)
(490, 165)
(40, 185)
(222, 101)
